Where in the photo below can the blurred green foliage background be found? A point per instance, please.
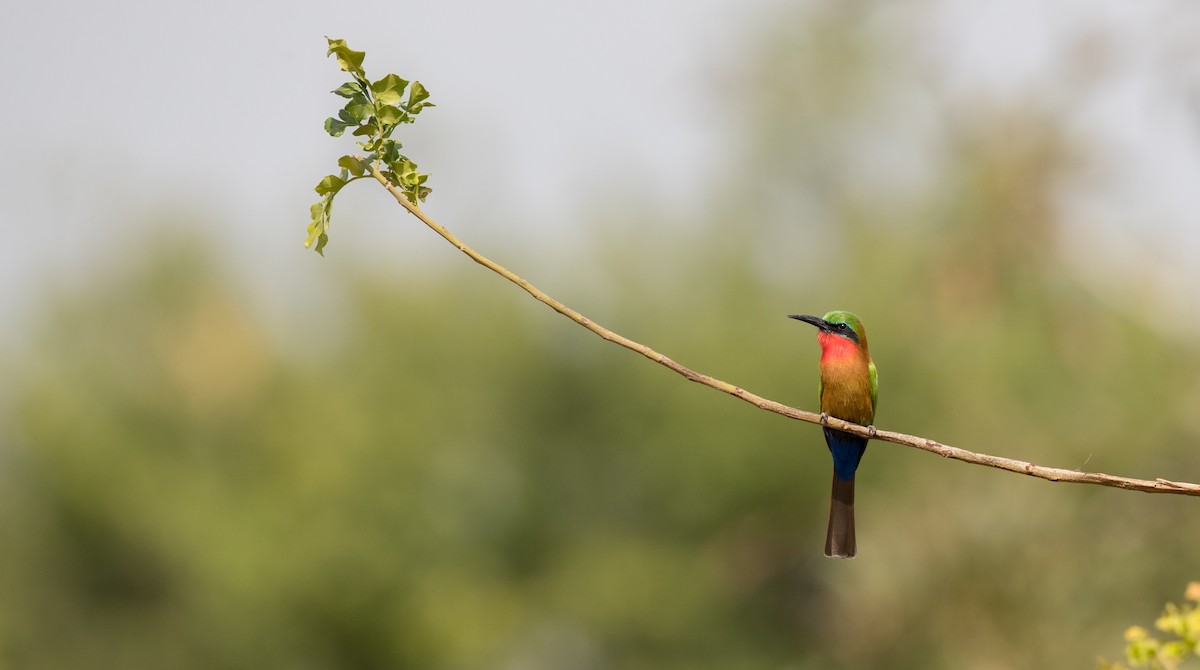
(442, 474)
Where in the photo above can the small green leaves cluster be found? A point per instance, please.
(373, 111)
(1180, 622)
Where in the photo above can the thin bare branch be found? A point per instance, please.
(945, 450)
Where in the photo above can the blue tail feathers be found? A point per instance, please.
(847, 451)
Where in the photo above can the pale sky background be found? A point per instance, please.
(115, 111)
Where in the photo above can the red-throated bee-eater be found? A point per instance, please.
(849, 386)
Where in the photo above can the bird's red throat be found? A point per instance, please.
(835, 348)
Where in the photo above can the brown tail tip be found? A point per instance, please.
(839, 538)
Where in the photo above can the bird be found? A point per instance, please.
(848, 391)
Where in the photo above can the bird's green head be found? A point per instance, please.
(838, 323)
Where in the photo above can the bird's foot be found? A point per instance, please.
(824, 419)
(871, 431)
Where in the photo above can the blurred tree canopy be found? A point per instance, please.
(460, 479)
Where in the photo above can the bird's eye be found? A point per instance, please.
(843, 326)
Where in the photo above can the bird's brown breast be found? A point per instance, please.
(846, 391)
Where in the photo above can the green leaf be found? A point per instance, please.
(355, 166)
(330, 184)
(390, 152)
(390, 115)
(349, 60)
(405, 176)
(349, 89)
(335, 127)
(417, 94)
(318, 230)
(408, 172)
(367, 129)
(359, 111)
(390, 89)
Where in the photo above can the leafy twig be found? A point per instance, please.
(374, 110)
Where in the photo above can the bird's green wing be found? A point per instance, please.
(874, 388)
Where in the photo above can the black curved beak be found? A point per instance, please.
(813, 320)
